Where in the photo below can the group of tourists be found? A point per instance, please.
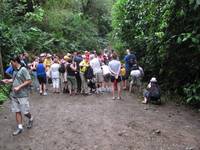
(86, 73)
(74, 73)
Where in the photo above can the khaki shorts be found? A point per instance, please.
(20, 105)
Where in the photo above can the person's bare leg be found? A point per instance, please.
(41, 88)
(19, 129)
(44, 87)
(119, 90)
(70, 89)
(18, 118)
(113, 91)
(124, 84)
(145, 100)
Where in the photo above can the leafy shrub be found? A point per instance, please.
(165, 36)
(3, 92)
(192, 92)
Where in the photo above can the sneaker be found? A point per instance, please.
(118, 98)
(113, 98)
(30, 124)
(45, 94)
(144, 102)
(17, 131)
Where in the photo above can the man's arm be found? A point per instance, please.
(27, 82)
(119, 70)
(6, 81)
(111, 71)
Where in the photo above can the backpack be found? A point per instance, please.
(131, 60)
(89, 73)
(154, 93)
(135, 67)
(62, 68)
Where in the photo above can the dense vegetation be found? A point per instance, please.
(164, 34)
(53, 26)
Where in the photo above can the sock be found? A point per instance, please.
(20, 126)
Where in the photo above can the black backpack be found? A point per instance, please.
(62, 68)
(135, 67)
(154, 92)
(131, 60)
(89, 73)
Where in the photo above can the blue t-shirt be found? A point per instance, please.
(40, 70)
(9, 70)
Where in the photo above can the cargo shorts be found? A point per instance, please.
(20, 105)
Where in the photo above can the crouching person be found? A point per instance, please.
(152, 93)
(19, 94)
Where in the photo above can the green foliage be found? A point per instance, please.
(192, 92)
(3, 92)
(165, 36)
(81, 33)
(53, 26)
(2, 98)
(36, 16)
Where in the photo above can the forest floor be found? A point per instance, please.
(97, 122)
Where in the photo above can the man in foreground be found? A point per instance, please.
(21, 80)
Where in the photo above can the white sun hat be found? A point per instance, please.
(42, 55)
(49, 55)
(153, 79)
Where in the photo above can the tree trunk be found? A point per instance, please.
(1, 64)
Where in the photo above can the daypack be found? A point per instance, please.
(131, 60)
(154, 92)
(62, 68)
(89, 73)
(135, 67)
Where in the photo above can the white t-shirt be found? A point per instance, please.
(135, 73)
(55, 70)
(115, 66)
(96, 66)
(105, 69)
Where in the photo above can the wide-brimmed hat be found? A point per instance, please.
(42, 55)
(49, 55)
(66, 57)
(69, 55)
(153, 79)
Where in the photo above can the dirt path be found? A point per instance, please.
(99, 123)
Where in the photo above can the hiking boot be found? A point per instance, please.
(17, 131)
(30, 124)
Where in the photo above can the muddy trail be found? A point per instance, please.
(97, 122)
